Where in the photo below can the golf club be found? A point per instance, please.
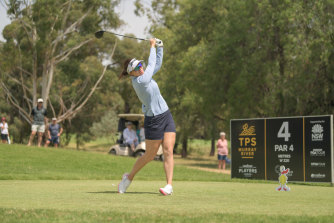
(99, 34)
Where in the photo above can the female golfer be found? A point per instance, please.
(158, 124)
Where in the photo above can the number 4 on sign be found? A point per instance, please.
(291, 148)
(284, 132)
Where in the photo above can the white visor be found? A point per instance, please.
(132, 65)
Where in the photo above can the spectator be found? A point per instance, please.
(4, 130)
(54, 132)
(142, 134)
(130, 136)
(38, 125)
(222, 151)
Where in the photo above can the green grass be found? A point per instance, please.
(97, 201)
(32, 163)
(57, 185)
(101, 144)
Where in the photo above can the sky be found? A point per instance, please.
(134, 24)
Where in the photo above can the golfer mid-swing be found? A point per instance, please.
(158, 124)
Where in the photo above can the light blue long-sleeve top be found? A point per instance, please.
(147, 89)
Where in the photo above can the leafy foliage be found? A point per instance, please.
(242, 59)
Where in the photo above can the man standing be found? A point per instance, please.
(54, 133)
(38, 125)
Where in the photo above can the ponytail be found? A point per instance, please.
(125, 67)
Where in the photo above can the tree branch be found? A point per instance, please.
(53, 110)
(13, 101)
(68, 52)
(19, 82)
(73, 111)
(70, 29)
(23, 70)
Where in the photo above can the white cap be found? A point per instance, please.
(129, 123)
(54, 119)
(132, 65)
(40, 100)
(222, 134)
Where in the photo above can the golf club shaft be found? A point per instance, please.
(126, 36)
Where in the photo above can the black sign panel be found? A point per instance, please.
(247, 145)
(285, 147)
(302, 144)
(318, 149)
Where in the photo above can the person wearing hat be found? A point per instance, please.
(222, 151)
(4, 130)
(54, 132)
(38, 125)
(159, 125)
(130, 136)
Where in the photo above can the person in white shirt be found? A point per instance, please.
(4, 130)
(130, 136)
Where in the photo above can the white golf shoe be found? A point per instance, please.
(124, 184)
(167, 190)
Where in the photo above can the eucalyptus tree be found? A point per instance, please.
(48, 44)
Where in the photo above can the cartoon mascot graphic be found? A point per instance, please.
(283, 179)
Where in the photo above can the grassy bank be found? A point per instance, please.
(32, 163)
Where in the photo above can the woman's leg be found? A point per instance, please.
(219, 164)
(152, 147)
(168, 146)
(224, 164)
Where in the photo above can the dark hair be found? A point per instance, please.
(125, 67)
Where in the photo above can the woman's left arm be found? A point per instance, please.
(147, 76)
(160, 53)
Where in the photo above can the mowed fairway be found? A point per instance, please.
(89, 200)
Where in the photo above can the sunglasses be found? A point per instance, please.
(138, 67)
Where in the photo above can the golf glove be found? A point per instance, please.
(159, 43)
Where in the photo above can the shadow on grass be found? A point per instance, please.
(104, 145)
(208, 165)
(197, 159)
(116, 192)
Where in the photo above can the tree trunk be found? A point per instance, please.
(78, 141)
(213, 148)
(184, 147)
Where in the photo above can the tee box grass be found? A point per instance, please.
(56, 185)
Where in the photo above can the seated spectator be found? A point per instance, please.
(142, 133)
(4, 130)
(130, 136)
(54, 132)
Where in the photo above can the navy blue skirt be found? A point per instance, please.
(156, 126)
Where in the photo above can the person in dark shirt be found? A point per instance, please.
(54, 132)
(38, 125)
